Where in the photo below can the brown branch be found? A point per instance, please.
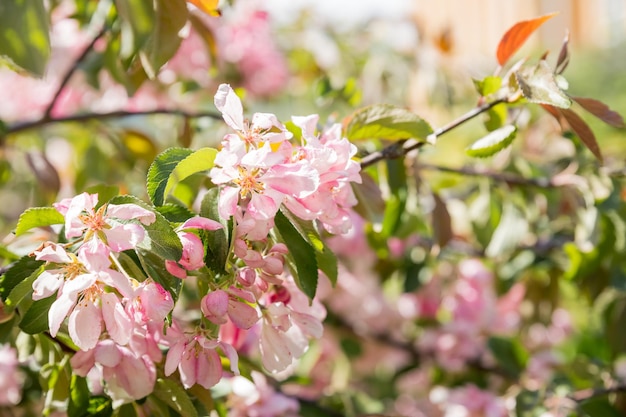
(401, 148)
(496, 176)
(71, 72)
(102, 116)
(589, 393)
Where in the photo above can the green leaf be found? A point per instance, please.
(494, 142)
(301, 255)
(326, 259)
(79, 397)
(161, 239)
(175, 213)
(173, 394)
(100, 406)
(138, 21)
(24, 37)
(36, 318)
(217, 241)
(385, 121)
(174, 165)
(171, 17)
(599, 407)
(539, 85)
(488, 85)
(509, 353)
(528, 404)
(155, 268)
(495, 117)
(38, 217)
(17, 273)
(511, 230)
(21, 291)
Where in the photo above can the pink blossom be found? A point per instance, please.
(198, 362)
(249, 44)
(10, 377)
(128, 376)
(193, 248)
(257, 398)
(469, 401)
(219, 304)
(81, 217)
(150, 303)
(253, 165)
(285, 332)
(81, 295)
(331, 156)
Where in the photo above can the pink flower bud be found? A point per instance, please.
(214, 306)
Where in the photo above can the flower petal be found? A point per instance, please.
(85, 325)
(230, 106)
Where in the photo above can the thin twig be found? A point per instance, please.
(496, 176)
(71, 72)
(401, 148)
(586, 394)
(111, 115)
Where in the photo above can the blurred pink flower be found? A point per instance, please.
(257, 398)
(10, 377)
(128, 376)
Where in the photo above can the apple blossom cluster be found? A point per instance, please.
(125, 327)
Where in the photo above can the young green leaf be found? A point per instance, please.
(539, 85)
(24, 36)
(38, 217)
(161, 239)
(301, 254)
(583, 131)
(174, 165)
(601, 111)
(488, 85)
(515, 37)
(494, 142)
(385, 121)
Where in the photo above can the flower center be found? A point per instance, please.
(248, 182)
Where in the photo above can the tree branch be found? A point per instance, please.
(589, 393)
(401, 148)
(496, 176)
(102, 116)
(71, 72)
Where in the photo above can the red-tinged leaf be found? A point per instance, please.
(554, 112)
(601, 111)
(563, 59)
(584, 132)
(515, 37)
(207, 6)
